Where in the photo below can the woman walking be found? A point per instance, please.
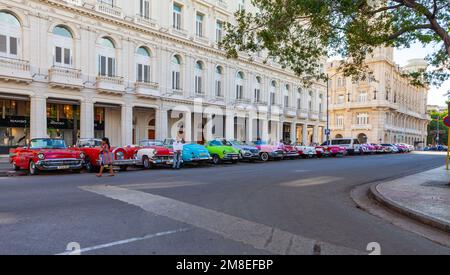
(106, 157)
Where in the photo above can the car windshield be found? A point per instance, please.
(48, 144)
(89, 143)
(341, 142)
(216, 143)
(151, 143)
(229, 143)
(259, 142)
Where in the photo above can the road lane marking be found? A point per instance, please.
(310, 181)
(127, 241)
(259, 236)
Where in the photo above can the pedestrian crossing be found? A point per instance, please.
(259, 236)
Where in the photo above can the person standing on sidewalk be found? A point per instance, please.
(106, 157)
(177, 154)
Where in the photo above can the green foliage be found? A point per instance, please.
(436, 124)
(300, 34)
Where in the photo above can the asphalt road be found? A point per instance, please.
(250, 208)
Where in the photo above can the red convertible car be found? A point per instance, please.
(46, 154)
(123, 157)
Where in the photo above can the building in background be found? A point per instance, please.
(137, 69)
(384, 108)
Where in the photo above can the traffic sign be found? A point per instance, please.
(447, 121)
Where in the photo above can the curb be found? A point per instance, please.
(375, 195)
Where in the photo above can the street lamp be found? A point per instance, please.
(328, 131)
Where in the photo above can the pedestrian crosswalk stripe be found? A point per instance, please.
(257, 235)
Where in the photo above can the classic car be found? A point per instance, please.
(390, 148)
(123, 157)
(151, 153)
(46, 154)
(222, 151)
(368, 149)
(402, 148)
(246, 152)
(192, 152)
(306, 151)
(268, 151)
(352, 146)
(332, 151)
(379, 149)
(290, 152)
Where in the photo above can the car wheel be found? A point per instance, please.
(15, 167)
(264, 157)
(215, 159)
(146, 162)
(123, 168)
(76, 171)
(89, 166)
(33, 169)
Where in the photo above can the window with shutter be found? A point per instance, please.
(58, 55)
(147, 74)
(67, 57)
(3, 47)
(13, 45)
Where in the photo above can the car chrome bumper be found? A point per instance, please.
(60, 164)
(164, 160)
(231, 157)
(276, 155)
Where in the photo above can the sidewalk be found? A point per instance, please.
(424, 197)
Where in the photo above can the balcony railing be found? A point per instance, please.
(15, 69)
(302, 113)
(361, 127)
(290, 111)
(147, 89)
(74, 2)
(314, 115)
(110, 84)
(65, 77)
(145, 21)
(108, 9)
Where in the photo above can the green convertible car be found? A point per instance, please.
(222, 152)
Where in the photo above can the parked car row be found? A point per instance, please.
(48, 154)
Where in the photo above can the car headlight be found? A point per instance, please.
(82, 155)
(41, 156)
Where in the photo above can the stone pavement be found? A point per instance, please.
(424, 197)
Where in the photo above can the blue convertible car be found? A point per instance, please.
(192, 152)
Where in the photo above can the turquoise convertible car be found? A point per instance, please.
(192, 152)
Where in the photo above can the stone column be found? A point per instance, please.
(209, 127)
(265, 130)
(316, 134)
(188, 126)
(127, 125)
(294, 132)
(249, 135)
(38, 117)
(229, 126)
(305, 135)
(162, 123)
(87, 119)
(280, 125)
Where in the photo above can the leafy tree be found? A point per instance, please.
(298, 34)
(436, 127)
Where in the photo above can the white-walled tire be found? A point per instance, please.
(33, 169)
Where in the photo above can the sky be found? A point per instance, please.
(401, 56)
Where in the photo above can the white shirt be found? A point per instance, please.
(177, 146)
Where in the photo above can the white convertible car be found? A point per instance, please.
(306, 151)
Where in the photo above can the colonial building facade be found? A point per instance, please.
(139, 69)
(385, 108)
